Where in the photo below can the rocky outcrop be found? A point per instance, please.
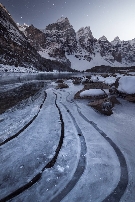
(60, 38)
(85, 39)
(54, 40)
(102, 106)
(19, 48)
(62, 85)
(14, 46)
(36, 38)
(85, 44)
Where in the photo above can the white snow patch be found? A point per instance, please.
(92, 92)
(77, 64)
(44, 54)
(83, 64)
(127, 84)
(110, 80)
(60, 169)
(94, 78)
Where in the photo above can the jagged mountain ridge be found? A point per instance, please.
(82, 49)
(17, 49)
(60, 46)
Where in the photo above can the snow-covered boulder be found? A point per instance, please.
(94, 78)
(127, 85)
(92, 92)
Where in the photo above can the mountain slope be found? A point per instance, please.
(83, 50)
(59, 47)
(47, 47)
(17, 50)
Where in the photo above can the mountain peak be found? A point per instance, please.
(116, 38)
(116, 41)
(132, 42)
(103, 38)
(85, 31)
(62, 19)
(60, 25)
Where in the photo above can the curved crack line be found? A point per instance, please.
(22, 129)
(80, 167)
(71, 101)
(50, 164)
(118, 192)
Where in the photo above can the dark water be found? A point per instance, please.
(9, 78)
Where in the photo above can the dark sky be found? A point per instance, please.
(105, 17)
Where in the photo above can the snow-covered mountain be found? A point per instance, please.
(15, 49)
(60, 46)
(59, 41)
(47, 44)
(19, 45)
(60, 38)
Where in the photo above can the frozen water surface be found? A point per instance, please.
(90, 175)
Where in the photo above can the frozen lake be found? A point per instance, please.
(54, 148)
(7, 78)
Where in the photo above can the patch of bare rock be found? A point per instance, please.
(61, 84)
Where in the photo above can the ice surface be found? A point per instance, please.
(120, 128)
(98, 161)
(18, 116)
(22, 158)
(31, 148)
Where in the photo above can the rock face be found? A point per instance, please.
(60, 38)
(15, 48)
(36, 37)
(62, 42)
(85, 39)
(124, 51)
(85, 44)
(53, 41)
(19, 48)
